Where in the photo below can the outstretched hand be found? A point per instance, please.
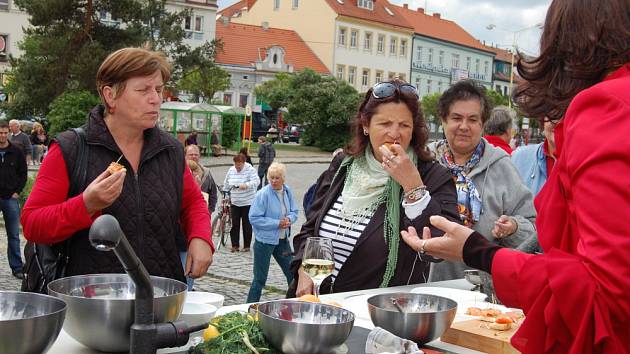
(449, 247)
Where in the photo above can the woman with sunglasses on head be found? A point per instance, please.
(575, 295)
(383, 182)
(491, 196)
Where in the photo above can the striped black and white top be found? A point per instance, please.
(249, 176)
(345, 235)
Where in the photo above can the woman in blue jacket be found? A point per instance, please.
(273, 211)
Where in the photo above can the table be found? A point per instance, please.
(67, 345)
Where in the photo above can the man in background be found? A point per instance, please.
(266, 154)
(498, 128)
(12, 180)
(20, 140)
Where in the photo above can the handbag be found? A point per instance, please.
(47, 262)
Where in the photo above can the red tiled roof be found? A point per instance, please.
(350, 8)
(502, 54)
(242, 45)
(436, 27)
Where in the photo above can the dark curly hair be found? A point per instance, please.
(581, 43)
(464, 90)
(368, 108)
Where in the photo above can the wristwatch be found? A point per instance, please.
(415, 194)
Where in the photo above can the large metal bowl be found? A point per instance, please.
(424, 317)
(296, 327)
(29, 323)
(101, 307)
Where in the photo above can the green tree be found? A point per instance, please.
(429, 106)
(275, 92)
(67, 41)
(70, 110)
(231, 128)
(204, 82)
(497, 99)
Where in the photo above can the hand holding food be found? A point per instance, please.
(103, 191)
(397, 163)
(115, 167)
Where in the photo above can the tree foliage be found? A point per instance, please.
(324, 105)
(67, 42)
(497, 99)
(231, 127)
(70, 110)
(203, 81)
(429, 104)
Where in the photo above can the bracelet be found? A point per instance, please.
(415, 194)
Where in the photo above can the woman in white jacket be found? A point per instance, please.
(243, 180)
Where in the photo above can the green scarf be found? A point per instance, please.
(368, 185)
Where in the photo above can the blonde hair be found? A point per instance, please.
(196, 169)
(277, 168)
(126, 63)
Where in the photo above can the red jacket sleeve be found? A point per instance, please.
(47, 216)
(195, 218)
(575, 295)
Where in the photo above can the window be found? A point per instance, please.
(468, 63)
(485, 67)
(418, 83)
(391, 75)
(4, 5)
(227, 99)
(441, 58)
(353, 38)
(401, 76)
(498, 89)
(366, 4)
(393, 42)
(198, 23)
(340, 72)
(430, 55)
(477, 65)
(246, 77)
(342, 37)
(403, 48)
(455, 60)
(367, 41)
(242, 101)
(4, 54)
(365, 78)
(379, 76)
(296, 4)
(352, 73)
(276, 4)
(187, 23)
(429, 86)
(380, 47)
(439, 86)
(419, 54)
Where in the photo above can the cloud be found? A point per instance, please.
(507, 16)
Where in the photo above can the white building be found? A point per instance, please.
(200, 26)
(12, 22)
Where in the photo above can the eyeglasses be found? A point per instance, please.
(388, 89)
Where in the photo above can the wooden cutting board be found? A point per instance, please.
(475, 335)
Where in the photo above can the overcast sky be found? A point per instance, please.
(474, 16)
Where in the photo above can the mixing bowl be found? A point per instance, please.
(423, 318)
(303, 327)
(29, 323)
(101, 307)
(203, 297)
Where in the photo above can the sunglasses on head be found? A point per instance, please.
(388, 89)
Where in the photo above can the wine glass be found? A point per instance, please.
(318, 260)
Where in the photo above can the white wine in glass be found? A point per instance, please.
(318, 260)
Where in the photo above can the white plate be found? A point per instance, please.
(457, 295)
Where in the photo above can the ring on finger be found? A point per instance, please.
(422, 250)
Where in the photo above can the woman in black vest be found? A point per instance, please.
(130, 83)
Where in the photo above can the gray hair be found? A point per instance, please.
(500, 121)
(278, 169)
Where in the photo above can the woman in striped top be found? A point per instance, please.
(243, 178)
(384, 182)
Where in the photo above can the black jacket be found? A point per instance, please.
(365, 267)
(13, 171)
(148, 208)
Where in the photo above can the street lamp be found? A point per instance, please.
(514, 49)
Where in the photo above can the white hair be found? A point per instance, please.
(277, 168)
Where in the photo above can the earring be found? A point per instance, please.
(111, 110)
(365, 132)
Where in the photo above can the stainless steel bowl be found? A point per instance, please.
(29, 323)
(423, 318)
(297, 327)
(100, 307)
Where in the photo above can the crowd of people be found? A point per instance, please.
(398, 209)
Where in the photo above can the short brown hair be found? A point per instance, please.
(368, 108)
(126, 63)
(464, 90)
(239, 158)
(581, 43)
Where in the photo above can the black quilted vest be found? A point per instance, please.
(148, 208)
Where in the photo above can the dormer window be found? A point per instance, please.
(366, 4)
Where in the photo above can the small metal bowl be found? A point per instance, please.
(297, 327)
(101, 307)
(423, 318)
(29, 323)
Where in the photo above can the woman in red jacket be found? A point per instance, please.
(575, 295)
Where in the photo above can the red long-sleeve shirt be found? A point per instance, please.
(575, 295)
(48, 217)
